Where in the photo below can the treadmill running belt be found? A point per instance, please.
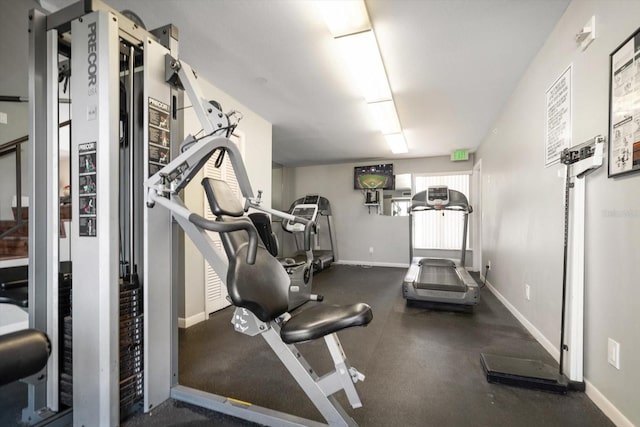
(439, 278)
(325, 256)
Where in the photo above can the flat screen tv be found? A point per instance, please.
(373, 177)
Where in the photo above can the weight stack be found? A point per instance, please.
(66, 371)
(131, 345)
(66, 334)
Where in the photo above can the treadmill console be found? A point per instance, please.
(311, 199)
(438, 196)
(306, 211)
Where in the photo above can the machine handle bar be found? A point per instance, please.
(309, 227)
(226, 227)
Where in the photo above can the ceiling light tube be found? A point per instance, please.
(397, 143)
(344, 17)
(385, 117)
(360, 52)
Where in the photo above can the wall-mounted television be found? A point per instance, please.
(373, 177)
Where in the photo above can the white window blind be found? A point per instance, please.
(432, 230)
(215, 290)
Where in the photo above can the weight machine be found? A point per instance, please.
(121, 128)
(258, 284)
(126, 95)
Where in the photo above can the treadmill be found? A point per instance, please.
(313, 207)
(440, 280)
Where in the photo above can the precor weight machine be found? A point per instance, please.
(126, 99)
(257, 282)
(105, 359)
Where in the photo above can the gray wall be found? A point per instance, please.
(356, 229)
(523, 206)
(276, 186)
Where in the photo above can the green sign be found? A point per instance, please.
(459, 155)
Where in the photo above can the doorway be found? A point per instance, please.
(476, 216)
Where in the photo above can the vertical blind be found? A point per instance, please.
(432, 229)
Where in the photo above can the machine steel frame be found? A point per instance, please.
(92, 26)
(162, 189)
(100, 32)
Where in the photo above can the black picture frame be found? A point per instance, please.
(624, 125)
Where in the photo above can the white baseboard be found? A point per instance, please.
(191, 320)
(373, 263)
(551, 349)
(606, 406)
(594, 394)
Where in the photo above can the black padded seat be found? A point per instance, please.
(321, 320)
(263, 286)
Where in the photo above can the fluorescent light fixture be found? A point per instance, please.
(397, 143)
(385, 117)
(349, 24)
(360, 52)
(345, 16)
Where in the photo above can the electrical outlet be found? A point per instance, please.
(489, 265)
(527, 292)
(370, 250)
(613, 353)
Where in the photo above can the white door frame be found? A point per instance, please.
(476, 216)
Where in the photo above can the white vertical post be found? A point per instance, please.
(575, 291)
(95, 226)
(40, 236)
(53, 218)
(574, 332)
(156, 264)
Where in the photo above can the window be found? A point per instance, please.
(432, 230)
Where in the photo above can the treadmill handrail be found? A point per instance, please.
(420, 208)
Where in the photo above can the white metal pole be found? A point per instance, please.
(575, 301)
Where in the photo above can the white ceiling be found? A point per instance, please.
(452, 65)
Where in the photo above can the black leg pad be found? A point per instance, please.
(22, 353)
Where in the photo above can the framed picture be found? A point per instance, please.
(624, 109)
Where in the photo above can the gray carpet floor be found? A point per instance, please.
(422, 365)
